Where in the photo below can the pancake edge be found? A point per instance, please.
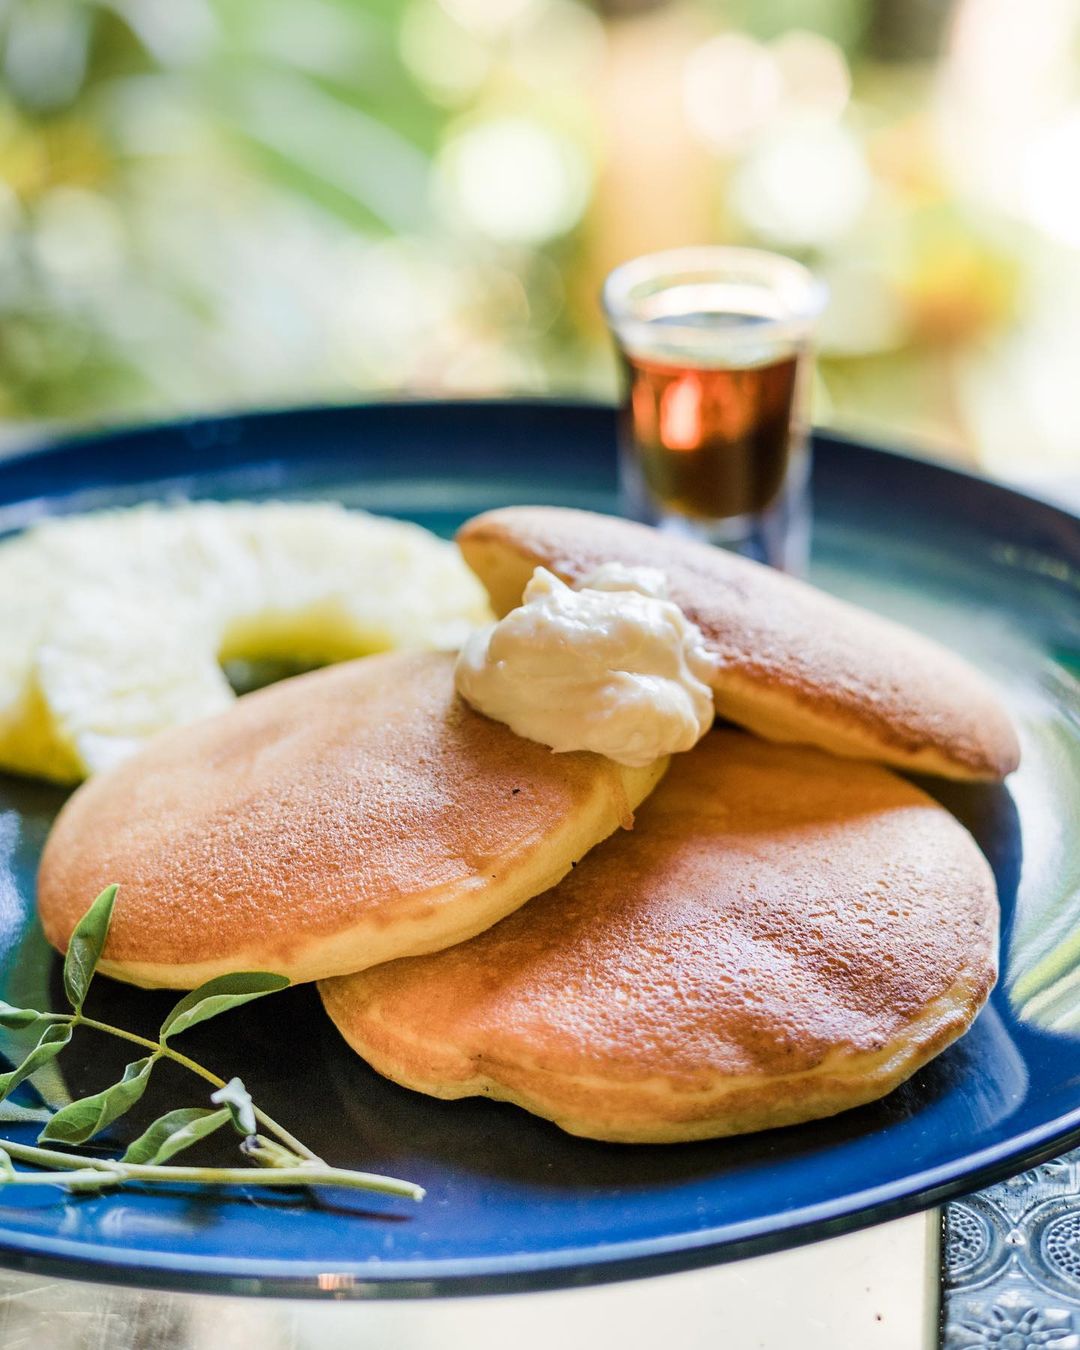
(439, 918)
(657, 1110)
(504, 563)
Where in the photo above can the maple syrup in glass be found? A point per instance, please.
(714, 345)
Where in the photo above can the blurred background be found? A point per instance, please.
(211, 204)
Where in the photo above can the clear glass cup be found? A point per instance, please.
(715, 345)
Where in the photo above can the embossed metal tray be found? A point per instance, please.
(514, 1203)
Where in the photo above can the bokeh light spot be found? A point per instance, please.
(514, 180)
(731, 88)
(804, 186)
(448, 60)
(814, 72)
(1051, 180)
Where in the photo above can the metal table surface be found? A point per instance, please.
(874, 1290)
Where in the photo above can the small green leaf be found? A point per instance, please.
(173, 1132)
(84, 949)
(53, 1039)
(218, 996)
(7, 1167)
(237, 1098)
(13, 1018)
(81, 1120)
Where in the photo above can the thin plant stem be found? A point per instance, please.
(298, 1165)
(164, 1048)
(93, 1169)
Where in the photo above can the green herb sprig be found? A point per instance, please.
(279, 1158)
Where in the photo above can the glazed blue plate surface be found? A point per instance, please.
(512, 1202)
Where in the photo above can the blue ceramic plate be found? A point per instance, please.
(512, 1202)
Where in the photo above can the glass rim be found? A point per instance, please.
(804, 294)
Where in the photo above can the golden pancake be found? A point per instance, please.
(343, 818)
(797, 665)
(783, 936)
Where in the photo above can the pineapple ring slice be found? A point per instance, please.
(115, 669)
(115, 623)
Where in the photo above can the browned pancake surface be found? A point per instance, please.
(783, 935)
(798, 665)
(356, 812)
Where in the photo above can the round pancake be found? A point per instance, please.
(797, 665)
(783, 936)
(332, 821)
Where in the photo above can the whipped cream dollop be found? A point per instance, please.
(614, 667)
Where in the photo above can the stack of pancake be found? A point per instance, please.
(789, 929)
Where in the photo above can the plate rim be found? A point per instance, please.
(204, 430)
(569, 1267)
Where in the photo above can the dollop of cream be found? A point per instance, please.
(613, 667)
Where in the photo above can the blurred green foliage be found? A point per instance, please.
(211, 203)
